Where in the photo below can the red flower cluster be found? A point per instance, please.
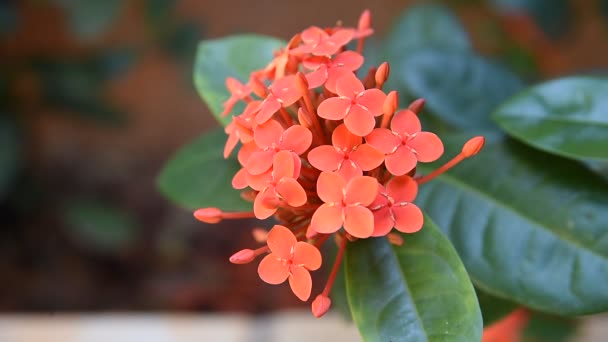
(323, 150)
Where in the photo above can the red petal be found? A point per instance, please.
(281, 242)
(270, 106)
(408, 218)
(343, 139)
(330, 186)
(315, 62)
(272, 270)
(342, 37)
(313, 34)
(300, 282)
(262, 206)
(373, 100)
(239, 181)
(283, 165)
(383, 223)
(333, 75)
(307, 255)
(291, 192)
(258, 182)
(327, 219)
(245, 153)
(361, 190)
(427, 145)
(405, 122)
(383, 140)
(402, 189)
(268, 134)
(260, 162)
(297, 139)
(325, 158)
(349, 85)
(349, 60)
(359, 121)
(233, 139)
(317, 77)
(349, 169)
(358, 221)
(400, 162)
(367, 157)
(334, 108)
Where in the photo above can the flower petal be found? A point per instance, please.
(291, 192)
(359, 121)
(383, 222)
(361, 190)
(285, 89)
(358, 221)
(367, 157)
(405, 122)
(400, 162)
(268, 134)
(282, 165)
(349, 86)
(272, 270)
(343, 139)
(334, 108)
(349, 169)
(427, 146)
(258, 182)
(408, 218)
(297, 139)
(373, 100)
(318, 77)
(270, 106)
(330, 187)
(348, 59)
(265, 204)
(325, 158)
(313, 34)
(239, 181)
(402, 189)
(327, 219)
(307, 255)
(300, 282)
(383, 140)
(334, 73)
(281, 242)
(260, 162)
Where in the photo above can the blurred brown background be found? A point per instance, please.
(95, 96)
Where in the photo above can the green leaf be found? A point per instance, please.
(567, 117)
(90, 18)
(198, 176)
(417, 292)
(529, 226)
(548, 328)
(461, 88)
(99, 225)
(235, 56)
(493, 308)
(10, 154)
(425, 26)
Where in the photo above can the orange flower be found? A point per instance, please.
(241, 128)
(355, 105)
(320, 43)
(393, 207)
(404, 144)
(289, 259)
(345, 204)
(283, 93)
(272, 138)
(326, 70)
(348, 156)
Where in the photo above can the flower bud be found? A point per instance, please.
(417, 106)
(382, 74)
(301, 83)
(258, 87)
(260, 235)
(320, 305)
(243, 256)
(391, 103)
(208, 215)
(311, 233)
(395, 239)
(473, 146)
(365, 21)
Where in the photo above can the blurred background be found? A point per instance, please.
(96, 95)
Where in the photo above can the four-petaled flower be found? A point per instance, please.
(277, 185)
(393, 207)
(238, 91)
(345, 205)
(271, 138)
(355, 105)
(320, 43)
(348, 156)
(283, 93)
(404, 144)
(327, 70)
(289, 259)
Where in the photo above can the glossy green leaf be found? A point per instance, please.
(425, 26)
(235, 56)
(493, 308)
(417, 292)
(461, 88)
(529, 226)
(10, 154)
(548, 328)
(568, 117)
(198, 176)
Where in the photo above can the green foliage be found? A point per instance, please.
(198, 176)
(235, 56)
(548, 328)
(493, 308)
(417, 292)
(521, 220)
(567, 117)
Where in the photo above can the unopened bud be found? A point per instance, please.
(382, 74)
(208, 215)
(417, 106)
(395, 239)
(260, 235)
(258, 87)
(249, 195)
(304, 118)
(365, 20)
(320, 305)
(243, 256)
(311, 233)
(301, 83)
(391, 103)
(369, 80)
(473, 146)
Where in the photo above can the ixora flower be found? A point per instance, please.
(325, 153)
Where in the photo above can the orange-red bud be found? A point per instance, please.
(417, 106)
(258, 87)
(395, 239)
(391, 103)
(244, 256)
(365, 20)
(382, 74)
(473, 146)
(304, 118)
(208, 215)
(260, 235)
(301, 83)
(311, 233)
(320, 305)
